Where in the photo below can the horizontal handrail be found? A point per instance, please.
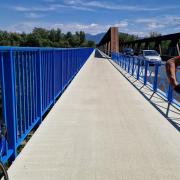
(36, 48)
(31, 79)
(150, 73)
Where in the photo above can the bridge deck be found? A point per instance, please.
(101, 129)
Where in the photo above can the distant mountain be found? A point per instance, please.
(96, 38)
(123, 36)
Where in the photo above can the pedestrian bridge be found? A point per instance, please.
(107, 125)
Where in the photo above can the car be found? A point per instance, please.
(128, 51)
(151, 55)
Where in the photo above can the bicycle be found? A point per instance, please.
(3, 140)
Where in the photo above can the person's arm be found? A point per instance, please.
(171, 66)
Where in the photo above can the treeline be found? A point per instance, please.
(41, 37)
(125, 37)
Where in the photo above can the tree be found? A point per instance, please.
(15, 39)
(32, 40)
(124, 37)
(91, 44)
(41, 32)
(41, 37)
(154, 34)
(82, 37)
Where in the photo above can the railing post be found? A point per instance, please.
(129, 64)
(39, 82)
(53, 75)
(170, 94)
(3, 100)
(122, 64)
(125, 63)
(169, 99)
(119, 59)
(122, 61)
(138, 70)
(10, 98)
(156, 77)
(133, 67)
(145, 72)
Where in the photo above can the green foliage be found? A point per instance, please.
(41, 37)
(154, 34)
(124, 37)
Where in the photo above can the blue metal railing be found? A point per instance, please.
(151, 74)
(30, 81)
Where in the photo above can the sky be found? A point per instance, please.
(139, 17)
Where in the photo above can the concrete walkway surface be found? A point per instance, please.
(101, 129)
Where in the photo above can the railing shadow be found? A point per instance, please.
(169, 111)
(98, 54)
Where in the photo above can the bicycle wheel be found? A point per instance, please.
(3, 172)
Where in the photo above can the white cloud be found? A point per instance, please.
(81, 8)
(22, 27)
(139, 33)
(158, 23)
(49, 1)
(144, 20)
(52, 7)
(115, 6)
(34, 15)
(155, 25)
(92, 28)
(88, 28)
(21, 8)
(122, 24)
(111, 6)
(141, 26)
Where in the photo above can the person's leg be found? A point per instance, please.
(171, 72)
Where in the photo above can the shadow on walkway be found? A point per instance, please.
(98, 54)
(170, 112)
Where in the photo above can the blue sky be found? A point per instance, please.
(92, 16)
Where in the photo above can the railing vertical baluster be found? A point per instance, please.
(27, 90)
(30, 89)
(156, 77)
(169, 98)
(23, 91)
(10, 99)
(39, 83)
(125, 63)
(133, 59)
(53, 75)
(3, 101)
(138, 70)
(19, 94)
(170, 94)
(129, 64)
(145, 72)
(121, 61)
